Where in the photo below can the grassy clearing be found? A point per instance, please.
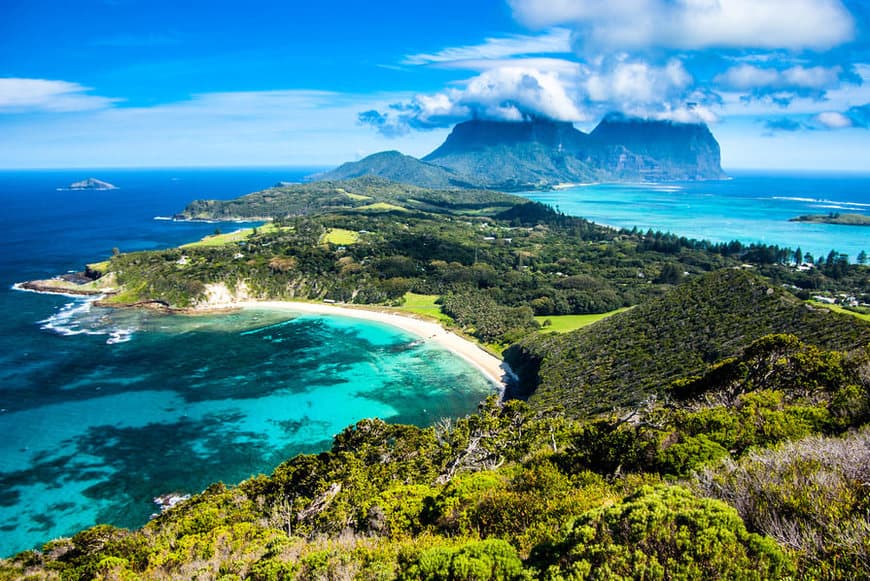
(381, 207)
(424, 305)
(231, 237)
(101, 267)
(358, 197)
(340, 236)
(568, 323)
(839, 309)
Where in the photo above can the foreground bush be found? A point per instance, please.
(662, 532)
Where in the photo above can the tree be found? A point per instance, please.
(670, 274)
(862, 257)
(798, 256)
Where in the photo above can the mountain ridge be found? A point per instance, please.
(541, 153)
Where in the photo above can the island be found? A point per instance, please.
(620, 438)
(541, 153)
(834, 218)
(91, 184)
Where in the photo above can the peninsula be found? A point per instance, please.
(835, 218)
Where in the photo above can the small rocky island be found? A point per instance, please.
(835, 218)
(92, 184)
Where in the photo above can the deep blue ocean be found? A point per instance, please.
(102, 410)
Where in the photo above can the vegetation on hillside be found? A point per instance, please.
(717, 429)
(630, 357)
(746, 476)
(370, 241)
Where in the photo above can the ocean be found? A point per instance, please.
(102, 410)
(750, 207)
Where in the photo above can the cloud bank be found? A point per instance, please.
(683, 60)
(40, 95)
(694, 24)
(510, 93)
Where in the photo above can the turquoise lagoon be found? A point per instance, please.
(101, 410)
(752, 207)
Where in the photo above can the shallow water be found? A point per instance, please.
(102, 410)
(750, 207)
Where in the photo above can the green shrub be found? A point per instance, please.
(662, 532)
(487, 560)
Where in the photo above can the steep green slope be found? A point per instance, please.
(401, 168)
(624, 359)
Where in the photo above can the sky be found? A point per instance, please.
(783, 84)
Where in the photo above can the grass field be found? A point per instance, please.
(101, 267)
(424, 305)
(231, 237)
(567, 323)
(839, 309)
(381, 207)
(358, 197)
(340, 236)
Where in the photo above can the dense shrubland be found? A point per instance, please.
(629, 357)
(751, 470)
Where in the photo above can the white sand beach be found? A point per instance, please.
(494, 368)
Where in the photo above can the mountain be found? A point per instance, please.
(541, 153)
(621, 361)
(397, 167)
(627, 148)
(507, 155)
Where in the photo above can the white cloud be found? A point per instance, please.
(554, 41)
(28, 95)
(292, 127)
(630, 84)
(833, 120)
(695, 24)
(558, 66)
(509, 93)
(748, 77)
(567, 91)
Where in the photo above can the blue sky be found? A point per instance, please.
(105, 83)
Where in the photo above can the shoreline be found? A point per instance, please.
(496, 370)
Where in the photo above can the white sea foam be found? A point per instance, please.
(77, 318)
(832, 207)
(846, 205)
(120, 336)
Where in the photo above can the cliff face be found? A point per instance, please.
(541, 153)
(628, 148)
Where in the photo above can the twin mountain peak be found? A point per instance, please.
(541, 153)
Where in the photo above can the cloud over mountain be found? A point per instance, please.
(509, 93)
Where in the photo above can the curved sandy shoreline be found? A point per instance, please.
(491, 366)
